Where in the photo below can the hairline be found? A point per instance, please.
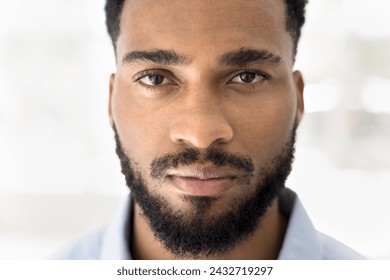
(291, 31)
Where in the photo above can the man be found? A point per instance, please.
(204, 106)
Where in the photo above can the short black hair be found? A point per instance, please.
(295, 10)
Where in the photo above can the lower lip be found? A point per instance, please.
(199, 187)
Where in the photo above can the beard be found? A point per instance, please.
(199, 231)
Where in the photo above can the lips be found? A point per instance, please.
(202, 181)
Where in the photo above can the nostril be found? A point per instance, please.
(201, 135)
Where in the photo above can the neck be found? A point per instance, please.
(265, 243)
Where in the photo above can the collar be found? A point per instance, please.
(301, 241)
(114, 245)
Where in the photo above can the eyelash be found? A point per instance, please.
(265, 76)
(157, 72)
(152, 72)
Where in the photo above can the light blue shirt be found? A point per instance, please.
(301, 242)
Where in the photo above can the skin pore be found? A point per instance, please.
(204, 75)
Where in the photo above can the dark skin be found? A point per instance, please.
(202, 74)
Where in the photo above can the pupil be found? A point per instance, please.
(156, 79)
(247, 77)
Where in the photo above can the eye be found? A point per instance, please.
(249, 77)
(153, 80)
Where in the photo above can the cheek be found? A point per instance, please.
(141, 128)
(265, 128)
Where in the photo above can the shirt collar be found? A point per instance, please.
(301, 241)
(114, 245)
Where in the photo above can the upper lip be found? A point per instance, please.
(202, 173)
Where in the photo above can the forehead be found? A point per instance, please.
(204, 26)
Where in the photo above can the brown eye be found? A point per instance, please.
(248, 77)
(153, 80)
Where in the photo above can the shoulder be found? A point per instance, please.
(87, 247)
(302, 240)
(108, 242)
(335, 250)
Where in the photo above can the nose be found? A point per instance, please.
(201, 121)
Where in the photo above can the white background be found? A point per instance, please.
(59, 175)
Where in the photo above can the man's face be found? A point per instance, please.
(210, 80)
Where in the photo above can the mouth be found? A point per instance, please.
(202, 181)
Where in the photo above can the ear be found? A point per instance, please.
(299, 87)
(111, 93)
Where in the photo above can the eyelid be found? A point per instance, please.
(265, 76)
(149, 72)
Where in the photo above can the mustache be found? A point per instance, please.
(188, 156)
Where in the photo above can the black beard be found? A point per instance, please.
(199, 232)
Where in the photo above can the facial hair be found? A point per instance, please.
(199, 231)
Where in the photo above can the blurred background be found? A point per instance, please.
(60, 177)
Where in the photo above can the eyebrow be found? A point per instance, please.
(165, 57)
(246, 56)
(235, 58)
